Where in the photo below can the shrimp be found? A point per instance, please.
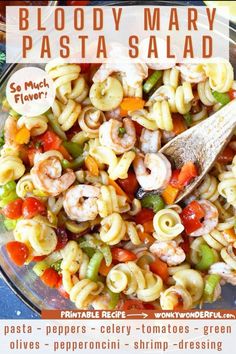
(168, 252)
(77, 207)
(160, 169)
(193, 73)
(150, 141)
(225, 271)
(47, 174)
(119, 139)
(134, 73)
(210, 218)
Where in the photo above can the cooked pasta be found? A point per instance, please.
(130, 279)
(109, 202)
(25, 186)
(90, 119)
(63, 75)
(205, 93)
(67, 114)
(227, 187)
(215, 239)
(228, 255)
(84, 292)
(40, 239)
(220, 75)
(192, 281)
(170, 298)
(167, 225)
(208, 189)
(12, 168)
(171, 77)
(113, 229)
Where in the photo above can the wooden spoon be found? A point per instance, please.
(200, 144)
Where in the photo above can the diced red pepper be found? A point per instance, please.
(129, 184)
(191, 216)
(226, 156)
(187, 173)
(174, 182)
(144, 216)
(122, 255)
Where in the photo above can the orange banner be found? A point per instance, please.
(137, 315)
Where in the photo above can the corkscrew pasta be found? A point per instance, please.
(85, 188)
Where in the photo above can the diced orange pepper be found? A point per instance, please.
(104, 269)
(118, 189)
(91, 165)
(148, 226)
(123, 112)
(145, 237)
(132, 103)
(229, 235)
(178, 124)
(169, 194)
(22, 136)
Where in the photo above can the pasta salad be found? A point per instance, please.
(69, 180)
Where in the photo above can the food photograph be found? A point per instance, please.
(121, 195)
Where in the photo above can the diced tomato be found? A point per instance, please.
(132, 305)
(18, 252)
(61, 289)
(62, 238)
(32, 151)
(31, 207)
(174, 182)
(144, 215)
(13, 210)
(122, 255)
(160, 268)
(138, 128)
(49, 141)
(187, 173)
(226, 156)
(129, 184)
(50, 277)
(38, 258)
(191, 216)
(232, 94)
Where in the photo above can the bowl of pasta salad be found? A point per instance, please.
(74, 231)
